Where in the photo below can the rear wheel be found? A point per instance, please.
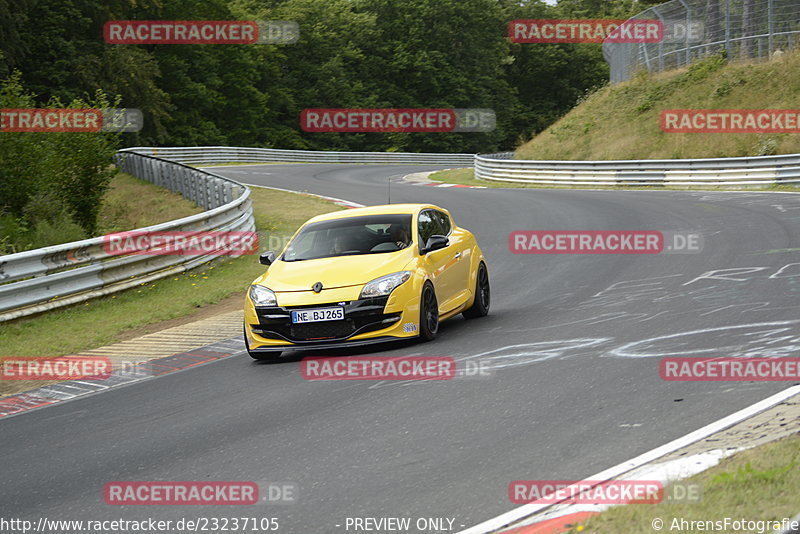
(261, 356)
(428, 313)
(480, 307)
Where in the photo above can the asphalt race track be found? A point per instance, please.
(574, 341)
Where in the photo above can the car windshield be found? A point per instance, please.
(372, 234)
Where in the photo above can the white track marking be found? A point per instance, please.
(526, 510)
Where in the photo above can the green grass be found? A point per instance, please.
(128, 203)
(622, 121)
(105, 320)
(132, 203)
(757, 484)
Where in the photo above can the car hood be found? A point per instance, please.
(342, 271)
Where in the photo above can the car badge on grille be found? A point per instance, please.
(317, 287)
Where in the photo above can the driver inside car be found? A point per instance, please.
(399, 236)
(339, 245)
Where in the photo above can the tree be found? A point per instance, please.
(48, 178)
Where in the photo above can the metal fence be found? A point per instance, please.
(38, 280)
(744, 29)
(223, 154)
(762, 170)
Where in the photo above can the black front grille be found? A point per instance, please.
(322, 330)
(360, 316)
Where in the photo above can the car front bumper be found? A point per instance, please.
(367, 321)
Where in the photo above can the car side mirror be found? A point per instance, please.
(436, 242)
(267, 258)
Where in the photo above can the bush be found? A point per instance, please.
(51, 184)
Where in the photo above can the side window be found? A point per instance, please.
(427, 226)
(444, 226)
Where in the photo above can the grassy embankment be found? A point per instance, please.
(622, 121)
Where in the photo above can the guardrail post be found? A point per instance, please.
(688, 23)
(165, 171)
(771, 23)
(728, 49)
(161, 175)
(154, 173)
(661, 42)
(193, 189)
(180, 179)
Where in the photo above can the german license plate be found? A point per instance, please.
(317, 315)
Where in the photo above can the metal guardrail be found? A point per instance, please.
(223, 154)
(761, 170)
(38, 280)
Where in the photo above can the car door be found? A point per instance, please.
(436, 262)
(457, 270)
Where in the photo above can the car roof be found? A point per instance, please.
(384, 209)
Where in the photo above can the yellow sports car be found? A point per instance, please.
(363, 276)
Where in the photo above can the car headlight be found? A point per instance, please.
(262, 296)
(380, 287)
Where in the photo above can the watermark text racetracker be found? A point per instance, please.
(604, 242)
(60, 120)
(349, 120)
(49, 368)
(605, 30)
(55, 368)
(392, 368)
(585, 31)
(181, 243)
(200, 32)
(602, 492)
(199, 493)
(730, 121)
(707, 369)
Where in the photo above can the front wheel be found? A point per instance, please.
(480, 307)
(428, 313)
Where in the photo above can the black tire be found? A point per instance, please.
(261, 356)
(428, 313)
(483, 294)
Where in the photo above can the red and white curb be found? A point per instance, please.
(72, 389)
(563, 517)
(529, 515)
